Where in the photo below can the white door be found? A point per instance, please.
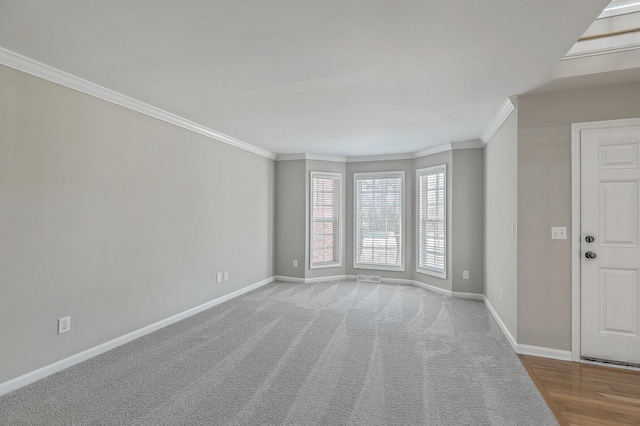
(610, 214)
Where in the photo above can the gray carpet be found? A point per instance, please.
(331, 353)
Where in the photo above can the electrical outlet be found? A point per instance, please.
(295, 263)
(465, 275)
(501, 296)
(218, 277)
(226, 276)
(64, 325)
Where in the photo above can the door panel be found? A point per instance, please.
(619, 301)
(610, 212)
(619, 213)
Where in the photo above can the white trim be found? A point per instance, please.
(290, 157)
(498, 120)
(312, 280)
(432, 151)
(575, 242)
(321, 279)
(46, 72)
(576, 131)
(57, 366)
(470, 296)
(502, 325)
(522, 349)
(338, 199)
(425, 172)
(543, 352)
(390, 157)
(430, 287)
(472, 144)
(403, 248)
(288, 279)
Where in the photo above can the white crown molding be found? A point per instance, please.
(503, 113)
(291, 157)
(473, 144)
(28, 378)
(38, 69)
(389, 157)
(431, 151)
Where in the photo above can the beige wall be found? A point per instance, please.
(544, 200)
(116, 219)
(500, 206)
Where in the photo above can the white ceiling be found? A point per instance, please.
(340, 78)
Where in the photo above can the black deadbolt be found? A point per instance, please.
(589, 239)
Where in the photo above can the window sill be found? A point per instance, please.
(325, 266)
(378, 267)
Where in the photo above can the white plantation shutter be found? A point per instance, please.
(431, 201)
(379, 213)
(325, 212)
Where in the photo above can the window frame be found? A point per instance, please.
(337, 177)
(401, 246)
(441, 168)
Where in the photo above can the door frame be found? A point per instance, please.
(576, 232)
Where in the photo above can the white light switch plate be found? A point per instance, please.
(558, 233)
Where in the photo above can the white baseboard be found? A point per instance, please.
(310, 280)
(45, 371)
(471, 296)
(321, 279)
(288, 279)
(432, 288)
(502, 325)
(523, 349)
(543, 352)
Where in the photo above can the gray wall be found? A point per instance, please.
(467, 211)
(421, 163)
(116, 219)
(291, 218)
(500, 204)
(544, 200)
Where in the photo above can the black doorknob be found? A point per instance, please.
(589, 239)
(590, 255)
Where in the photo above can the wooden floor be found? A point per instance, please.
(583, 394)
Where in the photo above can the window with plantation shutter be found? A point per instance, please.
(325, 219)
(378, 221)
(431, 205)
